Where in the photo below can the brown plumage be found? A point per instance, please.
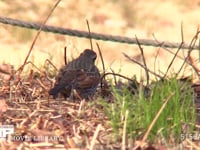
(80, 74)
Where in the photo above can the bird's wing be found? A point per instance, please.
(87, 80)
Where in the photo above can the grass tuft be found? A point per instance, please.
(177, 117)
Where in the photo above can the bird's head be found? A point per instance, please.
(89, 54)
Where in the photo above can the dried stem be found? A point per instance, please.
(115, 80)
(115, 74)
(101, 56)
(65, 55)
(156, 56)
(133, 60)
(88, 25)
(49, 61)
(176, 54)
(189, 57)
(143, 59)
(36, 37)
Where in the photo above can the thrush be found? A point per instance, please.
(80, 74)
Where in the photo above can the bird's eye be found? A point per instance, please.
(94, 57)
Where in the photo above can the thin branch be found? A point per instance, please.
(37, 35)
(89, 34)
(191, 60)
(182, 35)
(176, 54)
(115, 80)
(188, 58)
(101, 56)
(29, 62)
(48, 61)
(168, 50)
(115, 74)
(94, 138)
(65, 55)
(133, 60)
(155, 60)
(144, 61)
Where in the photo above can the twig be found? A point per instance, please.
(156, 56)
(65, 55)
(95, 137)
(176, 54)
(36, 37)
(101, 56)
(192, 62)
(115, 80)
(143, 59)
(168, 50)
(29, 62)
(115, 74)
(131, 59)
(182, 36)
(89, 34)
(189, 58)
(47, 60)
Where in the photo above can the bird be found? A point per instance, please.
(81, 75)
